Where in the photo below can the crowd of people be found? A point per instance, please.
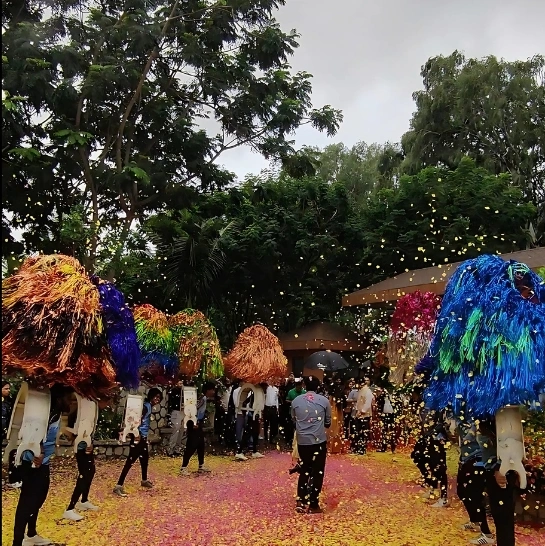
(297, 415)
(353, 401)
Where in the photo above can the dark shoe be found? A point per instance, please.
(295, 469)
(315, 510)
(300, 507)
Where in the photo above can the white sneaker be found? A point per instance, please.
(36, 540)
(72, 515)
(184, 471)
(257, 455)
(16, 485)
(470, 526)
(429, 494)
(241, 457)
(119, 490)
(441, 503)
(483, 539)
(88, 505)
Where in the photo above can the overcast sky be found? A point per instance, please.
(365, 56)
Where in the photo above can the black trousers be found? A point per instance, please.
(470, 486)
(430, 457)
(230, 437)
(347, 425)
(254, 424)
(33, 494)
(195, 443)
(388, 438)
(437, 466)
(311, 476)
(86, 473)
(289, 429)
(138, 451)
(362, 430)
(270, 423)
(14, 472)
(502, 505)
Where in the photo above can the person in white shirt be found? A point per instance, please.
(241, 412)
(270, 414)
(364, 412)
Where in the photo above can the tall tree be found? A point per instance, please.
(488, 109)
(107, 101)
(362, 169)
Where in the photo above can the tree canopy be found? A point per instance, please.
(283, 251)
(490, 110)
(104, 107)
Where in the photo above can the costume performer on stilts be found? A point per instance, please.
(53, 334)
(121, 334)
(488, 356)
(255, 358)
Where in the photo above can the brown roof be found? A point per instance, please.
(322, 336)
(430, 279)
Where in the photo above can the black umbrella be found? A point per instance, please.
(327, 361)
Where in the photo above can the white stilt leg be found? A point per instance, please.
(133, 416)
(510, 440)
(85, 422)
(190, 405)
(28, 424)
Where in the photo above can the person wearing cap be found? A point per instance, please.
(312, 415)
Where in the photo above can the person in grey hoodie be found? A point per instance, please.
(311, 413)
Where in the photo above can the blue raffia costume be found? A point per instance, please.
(488, 352)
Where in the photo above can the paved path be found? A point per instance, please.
(369, 501)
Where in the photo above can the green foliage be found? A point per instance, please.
(284, 251)
(362, 169)
(108, 425)
(534, 432)
(275, 251)
(103, 106)
(490, 110)
(441, 216)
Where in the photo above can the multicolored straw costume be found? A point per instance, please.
(199, 350)
(155, 339)
(488, 349)
(256, 356)
(53, 329)
(411, 332)
(120, 332)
